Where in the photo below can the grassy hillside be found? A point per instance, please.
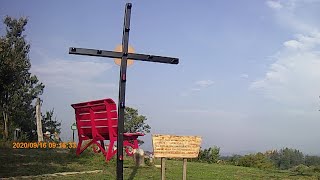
(31, 162)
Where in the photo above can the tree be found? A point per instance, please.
(312, 160)
(210, 155)
(287, 158)
(50, 123)
(18, 87)
(133, 122)
(214, 153)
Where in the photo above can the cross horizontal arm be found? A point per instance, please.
(113, 54)
(152, 58)
(94, 52)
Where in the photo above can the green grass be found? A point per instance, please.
(27, 162)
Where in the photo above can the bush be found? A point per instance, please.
(210, 155)
(312, 160)
(315, 168)
(233, 160)
(301, 169)
(258, 160)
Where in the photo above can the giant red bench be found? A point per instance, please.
(97, 121)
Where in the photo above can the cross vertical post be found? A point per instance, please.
(124, 55)
(122, 89)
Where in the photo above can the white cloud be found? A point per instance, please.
(274, 4)
(301, 15)
(185, 94)
(303, 42)
(195, 89)
(192, 111)
(293, 78)
(213, 113)
(204, 83)
(245, 76)
(197, 86)
(293, 44)
(72, 74)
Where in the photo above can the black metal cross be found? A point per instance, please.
(124, 55)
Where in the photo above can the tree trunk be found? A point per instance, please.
(39, 123)
(5, 119)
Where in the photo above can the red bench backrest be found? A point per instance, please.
(96, 118)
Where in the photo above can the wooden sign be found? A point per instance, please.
(171, 146)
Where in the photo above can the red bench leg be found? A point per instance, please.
(110, 151)
(100, 147)
(102, 144)
(133, 143)
(79, 149)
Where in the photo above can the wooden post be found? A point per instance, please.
(39, 123)
(184, 170)
(138, 157)
(163, 168)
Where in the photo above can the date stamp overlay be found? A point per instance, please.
(44, 145)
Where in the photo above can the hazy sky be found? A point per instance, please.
(248, 78)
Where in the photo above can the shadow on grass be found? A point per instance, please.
(134, 172)
(26, 162)
(32, 162)
(301, 174)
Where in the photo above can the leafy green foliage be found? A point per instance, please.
(50, 123)
(287, 158)
(258, 160)
(283, 159)
(18, 87)
(301, 169)
(133, 122)
(315, 168)
(210, 155)
(312, 160)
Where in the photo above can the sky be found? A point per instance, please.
(248, 78)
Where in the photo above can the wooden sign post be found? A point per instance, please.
(170, 146)
(163, 168)
(184, 169)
